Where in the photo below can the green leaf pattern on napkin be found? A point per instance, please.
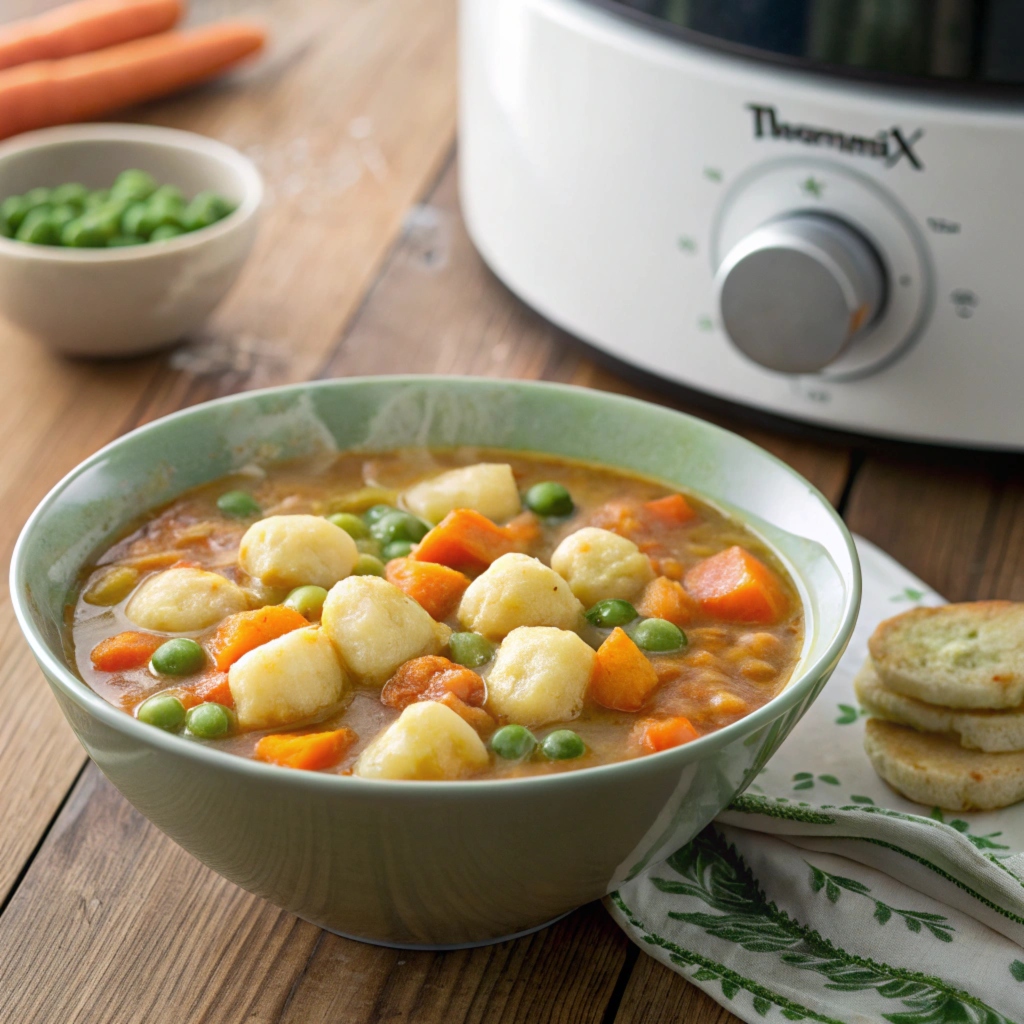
(738, 912)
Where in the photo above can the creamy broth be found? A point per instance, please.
(727, 668)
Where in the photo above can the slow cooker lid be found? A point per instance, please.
(941, 42)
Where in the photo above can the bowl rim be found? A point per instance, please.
(78, 691)
(156, 135)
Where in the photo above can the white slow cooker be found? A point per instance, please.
(772, 202)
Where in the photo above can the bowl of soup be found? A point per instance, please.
(433, 661)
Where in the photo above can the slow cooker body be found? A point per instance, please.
(826, 245)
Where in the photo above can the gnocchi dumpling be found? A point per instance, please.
(427, 741)
(540, 675)
(184, 600)
(489, 488)
(291, 551)
(291, 679)
(599, 564)
(376, 627)
(517, 590)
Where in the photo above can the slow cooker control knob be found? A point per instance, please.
(797, 291)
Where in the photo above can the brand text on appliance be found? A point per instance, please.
(888, 145)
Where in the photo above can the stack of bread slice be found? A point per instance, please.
(945, 689)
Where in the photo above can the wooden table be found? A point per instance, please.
(363, 266)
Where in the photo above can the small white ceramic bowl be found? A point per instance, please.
(119, 302)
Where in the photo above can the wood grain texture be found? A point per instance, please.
(343, 163)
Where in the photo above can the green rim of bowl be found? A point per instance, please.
(76, 690)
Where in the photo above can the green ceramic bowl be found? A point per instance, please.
(429, 863)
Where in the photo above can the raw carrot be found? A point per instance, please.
(663, 598)
(82, 27)
(312, 751)
(663, 733)
(623, 676)
(736, 586)
(436, 587)
(430, 678)
(244, 631)
(465, 539)
(85, 86)
(674, 510)
(124, 651)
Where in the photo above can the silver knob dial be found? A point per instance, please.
(797, 291)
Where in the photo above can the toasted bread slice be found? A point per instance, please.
(936, 771)
(957, 656)
(991, 731)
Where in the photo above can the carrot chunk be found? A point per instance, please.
(524, 529)
(663, 733)
(430, 678)
(434, 586)
(623, 676)
(210, 688)
(312, 751)
(663, 598)
(673, 509)
(476, 717)
(245, 631)
(465, 539)
(124, 651)
(736, 586)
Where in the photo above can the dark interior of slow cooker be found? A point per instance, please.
(967, 42)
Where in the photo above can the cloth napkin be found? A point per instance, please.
(821, 894)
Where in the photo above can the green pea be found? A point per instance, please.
(563, 745)
(611, 613)
(5, 228)
(207, 208)
(168, 194)
(470, 649)
(351, 524)
(63, 214)
(36, 197)
(134, 184)
(178, 657)
(239, 505)
(399, 526)
(97, 198)
(307, 600)
(375, 512)
(209, 721)
(83, 233)
(514, 742)
(163, 710)
(368, 546)
(38, 228)
(132, 220)
(368, 565)
(549, 499)
(658, 635)
(396, 549)
(14, 210)
(154, 213)
(165, 232)
(71, 193)
(121, 241)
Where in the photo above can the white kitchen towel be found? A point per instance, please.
(821, 894)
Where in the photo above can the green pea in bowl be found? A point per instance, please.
(439, 864)
(137, 298)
